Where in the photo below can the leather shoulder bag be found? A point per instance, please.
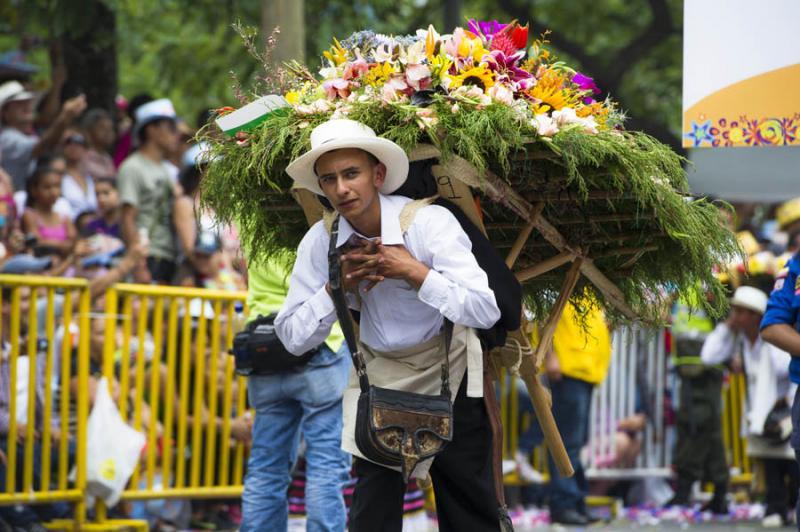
(393, 427)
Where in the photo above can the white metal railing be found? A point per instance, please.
(637, 374)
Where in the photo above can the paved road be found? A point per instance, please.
(623, 526)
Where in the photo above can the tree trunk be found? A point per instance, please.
(452, 15)
(91, 59)
(287, 15)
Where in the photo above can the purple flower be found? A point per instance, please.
(585, 83)
(485, 28)
(506, 65)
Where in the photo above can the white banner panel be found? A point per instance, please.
(741, 73)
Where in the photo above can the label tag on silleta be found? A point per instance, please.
(253, 114)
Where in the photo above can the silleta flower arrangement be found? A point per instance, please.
(529, 137)
(486, 64)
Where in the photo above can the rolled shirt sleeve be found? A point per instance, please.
(307, 315)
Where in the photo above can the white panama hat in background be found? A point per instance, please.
(339, 134)
(14, 91)
(750, 298)
(151, 111)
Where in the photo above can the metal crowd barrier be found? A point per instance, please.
(634, 384)
(41, 459)
(733, 404)
(191, 329)
(637, 380)
(161, 344)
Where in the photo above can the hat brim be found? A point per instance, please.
(19, 97)
(748, 305)
(301, 170)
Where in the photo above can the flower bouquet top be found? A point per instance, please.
(531, 129)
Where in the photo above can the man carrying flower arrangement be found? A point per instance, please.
(502, 118)
(406, 270)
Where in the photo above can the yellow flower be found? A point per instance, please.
(336, 55)
(478, 76)
(596, 109)
(293, 97)
(478, 51)
(440, 64)
(549, 93)
(430, 42)
(378, 74)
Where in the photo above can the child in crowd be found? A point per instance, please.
(108, 208)
(52, 230)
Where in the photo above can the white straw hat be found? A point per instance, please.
(151, 111)
(340, 134)
(750, 298)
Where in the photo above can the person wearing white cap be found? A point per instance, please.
(737, 341)
(146, 190)
(405, 270)
(19, 144)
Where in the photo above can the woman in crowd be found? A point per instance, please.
(77, 186)
(100, 135)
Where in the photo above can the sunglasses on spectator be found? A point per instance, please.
(75, 139)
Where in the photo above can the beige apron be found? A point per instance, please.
(416, 369)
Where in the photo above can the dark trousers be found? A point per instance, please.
(462, 480)
(699, 449)
(21, 515)
(781, 479)
(161, 270)
(572, 400)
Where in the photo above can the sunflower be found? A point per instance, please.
(378, 74)
(478, 76)
(550, 93)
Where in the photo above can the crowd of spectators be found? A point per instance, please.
(108, 197)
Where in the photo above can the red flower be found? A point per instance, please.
(503, 43)
(520, 36)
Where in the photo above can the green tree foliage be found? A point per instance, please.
(187, 49)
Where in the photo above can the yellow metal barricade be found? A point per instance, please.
(165, 351)
(733, 404)
(44, 379)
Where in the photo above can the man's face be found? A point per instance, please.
(350, 180)
(744, 319)
(165, 135)
(18, 114)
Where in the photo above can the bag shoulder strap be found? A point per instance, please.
(410, 210)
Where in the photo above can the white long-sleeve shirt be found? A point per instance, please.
(723, 343)
(393, 314)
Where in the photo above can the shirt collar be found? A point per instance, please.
(391, 234)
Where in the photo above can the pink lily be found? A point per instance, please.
(394, 88)
(418, 76)
(336, 87)
(355, 69)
